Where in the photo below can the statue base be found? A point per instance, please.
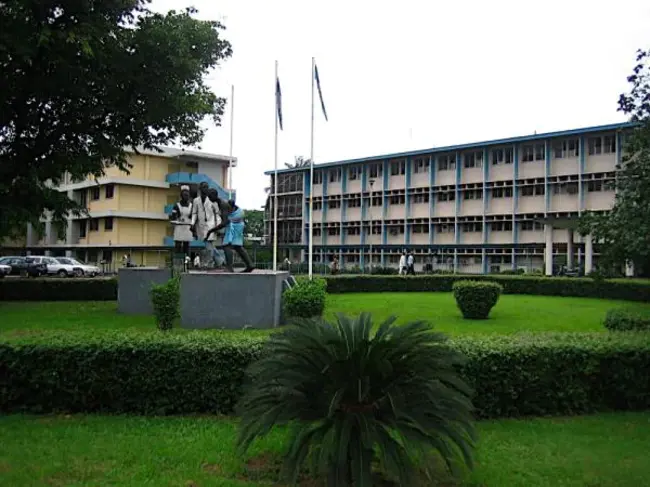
(231, 300)
(134, 287)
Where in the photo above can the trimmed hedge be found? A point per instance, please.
(49, 289)
(624, 319)
(306, 299)
(199, 372)
(475, 299)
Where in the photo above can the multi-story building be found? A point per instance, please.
(128, 213)
(479, 207)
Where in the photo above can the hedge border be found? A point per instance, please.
(155, 373)
(51, 289)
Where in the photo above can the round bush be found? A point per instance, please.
(475, 299)
(306, 299)
(627, 319)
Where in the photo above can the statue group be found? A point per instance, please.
(217, 222)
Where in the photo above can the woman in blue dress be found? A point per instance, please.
(232, 219)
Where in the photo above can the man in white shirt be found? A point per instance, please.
(205, 216)
(402, 264)
(410, 264)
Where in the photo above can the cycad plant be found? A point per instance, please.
(358, 401)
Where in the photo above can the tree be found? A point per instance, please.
(624, 232)
(82, 82)
(299, 161)
(255, 223)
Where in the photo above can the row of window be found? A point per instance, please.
(92, 225)
(468, 227)
(95, 192)
(561, 149)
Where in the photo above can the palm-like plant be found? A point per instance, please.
(352, 398)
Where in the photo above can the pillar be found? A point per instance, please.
(589, 254)
(48, 236)
(548, 250)
(569, 249)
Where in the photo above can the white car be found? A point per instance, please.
(80, 268)
(54, 267)
(5, 270)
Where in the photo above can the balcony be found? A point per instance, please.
(178, 178)
(194, 244)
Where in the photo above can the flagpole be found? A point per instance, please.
(311, 176)
(275, 174)
(232, 127)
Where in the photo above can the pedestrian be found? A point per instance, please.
(402, 264)
(410, 264)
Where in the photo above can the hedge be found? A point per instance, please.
(50, 289)
(199, 372)
(627, 319)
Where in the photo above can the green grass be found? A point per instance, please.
(513, 313)
(604, 450)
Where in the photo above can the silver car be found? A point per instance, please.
(54, 267)
(80, 268)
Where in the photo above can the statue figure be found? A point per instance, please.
(233, 221)
(181, 219)
(205, 215)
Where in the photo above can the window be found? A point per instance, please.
(94, 224)
(473, 194)
(533, 190)
(473, 159)
(318, 205)
(354, 172)
(353, 230)
(375, 170)
(333, 204)
(540, 152)
(354, 203)
(445, 228)
(502, 156)
(94, 193)
(317, 232)
(446, 162)
(421, 228)
(421, 198)
(530, 153)
(610, 144)
(82, 228)
(333, 231)
(397, 199)
(473, 227)
(565, 148)
(595, 146)
(318, 177)
(565, 188)
(502, 192)
(109, 191)
(375, 201)
(595, 186)
(108, 223)
(421, 166)
(335, 175)
(447, 196)
(376, 230)
(397, 168)
(531, 225)
(505, 226)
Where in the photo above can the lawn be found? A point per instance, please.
(603, 450)
(513, 313)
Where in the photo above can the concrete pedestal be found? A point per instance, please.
(134, 286)
(231, 300)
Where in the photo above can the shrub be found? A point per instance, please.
(46, 289)
(475, 299)
(156, 373)
(165, 299)
(627, 319)
(355, 397)
(306, 299)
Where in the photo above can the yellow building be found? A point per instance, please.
(128, 213)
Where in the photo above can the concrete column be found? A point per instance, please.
(548, 250)
(30, 235)
(569, 249)
(589, 254)
(629, 268)
(48, 236)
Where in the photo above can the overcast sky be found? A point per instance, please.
(414, 74)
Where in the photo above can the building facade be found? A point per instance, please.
(128, 213)
(482, 207)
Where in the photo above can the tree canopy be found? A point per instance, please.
(624, 232)
(83, 82)
(255, 223)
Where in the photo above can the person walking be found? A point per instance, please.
(402, 264)
(410, 264)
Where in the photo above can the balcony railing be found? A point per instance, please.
(194, 244)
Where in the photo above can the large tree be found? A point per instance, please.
(255, 223)
(624, 232)
(82, 82)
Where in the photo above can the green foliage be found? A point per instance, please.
(625, 230)
(475, 299)
(627, 319)
(354, 397)
(156, 373)
(47, 289)
(165, 299)
(255, 223)
(383, 271)
(119, 76)
(542, 286)
(306, 299)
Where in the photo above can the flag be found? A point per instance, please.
(278, 101)
(320, 93)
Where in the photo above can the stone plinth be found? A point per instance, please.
(231, 300)
(134, 286)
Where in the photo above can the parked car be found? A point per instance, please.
(20, 266)
(4, 270)
(81, 269)
(54, 267)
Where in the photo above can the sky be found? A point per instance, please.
(413, 74)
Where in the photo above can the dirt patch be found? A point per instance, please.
(212, 468)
